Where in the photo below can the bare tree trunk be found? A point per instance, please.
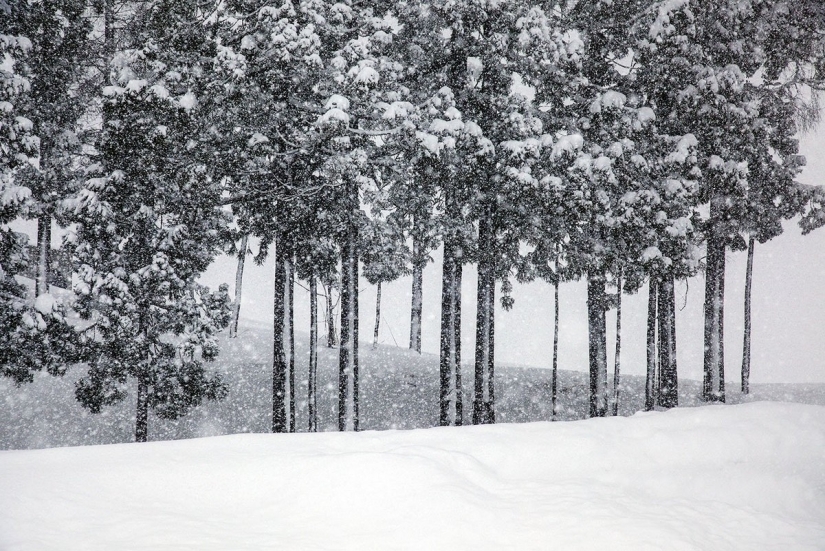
(746, 344)
(332, 338)
(348, 351)
(617, 357)
(668, 392)
(280, 340)
(597, 333)
(236, 306)
(484, 399)
(417, 295)
(555, 377)
(650, 381)
(108, 35)
(450, 357)
(312, 383)
(290, 334)
(450, 395)
(44, 247)
(142, 413)
(713, 387)
(377, 315)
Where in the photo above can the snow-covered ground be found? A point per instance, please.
(749, 477)
(399, 389)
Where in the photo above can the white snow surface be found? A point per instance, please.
(748, 477)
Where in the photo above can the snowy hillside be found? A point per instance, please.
(399, 389)
(747, 477)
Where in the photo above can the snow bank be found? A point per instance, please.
(728, 477)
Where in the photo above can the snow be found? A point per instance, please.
(651, 253)
(746, 477)
(187, 101)
(257, 138)
(429, 142)
(45, 304)
(336, 101)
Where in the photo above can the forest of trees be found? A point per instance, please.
(617, 142)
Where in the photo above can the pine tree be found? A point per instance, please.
(60, 36)
(148, 225)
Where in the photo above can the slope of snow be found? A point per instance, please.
(747, 477)
(399, 390)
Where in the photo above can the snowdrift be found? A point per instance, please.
(747, 477)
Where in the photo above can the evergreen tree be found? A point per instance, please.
(149, 224)
(60, 36)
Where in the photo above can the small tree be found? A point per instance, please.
(385, 257)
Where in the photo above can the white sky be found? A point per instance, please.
(788, 309)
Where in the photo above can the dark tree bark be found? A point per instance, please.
(377, 315)
(668, 392)
(44, 247)
(555, 376)
(312, 383)
(650, 381)
(450, 395)
(109, 45)
(348, 415)
(713, 384)
(746, 343)
(617, 358)
(597, 336)
(484, 398)
(417, 294)
(330, 318)
(236, 306)
(290, 335)
(280, 341)
(142, 414)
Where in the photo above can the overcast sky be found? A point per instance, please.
(788, 309)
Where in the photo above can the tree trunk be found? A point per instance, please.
(450, 398)
(650, 381)
(713, 387)
(746, 343)
(348, 351)
(484, 399)
(597, 336)
(312, 383)
(108, 35)
(236, 306)
(281, 341)
(142, 414)
(617, 357)
(290, 335)
(330, 318)
(377, 315)
(417, 295)
(44, 247)
(555, 377)
(668, 392)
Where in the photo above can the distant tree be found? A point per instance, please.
(385, 258)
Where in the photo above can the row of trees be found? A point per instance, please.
(617, 142)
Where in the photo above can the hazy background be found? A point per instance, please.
(788, 309)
